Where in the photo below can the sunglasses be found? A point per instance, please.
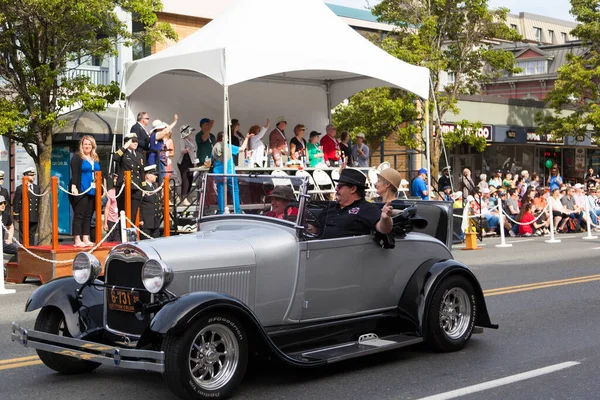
(3, 203)
(342, 184)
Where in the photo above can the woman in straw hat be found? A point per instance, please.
(388, 184)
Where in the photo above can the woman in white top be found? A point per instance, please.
(256, 145)
(559, 212)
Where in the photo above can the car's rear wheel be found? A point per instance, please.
(51, 320)
(451, 314)
(208, 360)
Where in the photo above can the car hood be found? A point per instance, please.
(202, 250)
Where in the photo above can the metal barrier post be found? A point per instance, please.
(167, 218)
(502, 236)
(98, 183)
(3, 290)
(552, 239)
(123, 227)
(55, 213)
(127, 176)
(25, 212)
(589, 221)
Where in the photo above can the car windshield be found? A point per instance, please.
(265, 195)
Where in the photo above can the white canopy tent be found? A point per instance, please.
(261, 59)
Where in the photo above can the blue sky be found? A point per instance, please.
(549, 8)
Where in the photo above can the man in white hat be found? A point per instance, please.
(34, 206)
(129, 158)
(140, 130)
(278, 141)
(4, 191)
(444, 179)
(150, 209)
(360, 152)
(331, 146)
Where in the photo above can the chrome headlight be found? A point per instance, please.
(156, 275)
(86, 268)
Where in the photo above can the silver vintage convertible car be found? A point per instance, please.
(199, 307)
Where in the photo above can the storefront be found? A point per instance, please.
(515, 148)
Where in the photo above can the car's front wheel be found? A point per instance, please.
(451, 314)
(51, 320)
(208, 360)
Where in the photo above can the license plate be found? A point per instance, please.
(122, 300)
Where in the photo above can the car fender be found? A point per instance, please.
(421, 286)
(177, 315)
(62, 293)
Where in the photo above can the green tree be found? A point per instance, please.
(577, 87)
(37, 40)
(449, 35)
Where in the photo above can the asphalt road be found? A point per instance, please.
(545, 297)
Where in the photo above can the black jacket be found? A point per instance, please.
(34, 204)
(143, 137)
(151, 207)
(129, 162)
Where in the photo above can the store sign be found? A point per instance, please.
(533, 137)
(511, 134)
(485, 131)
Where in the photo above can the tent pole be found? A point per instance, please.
(427, 148)
(328, 85)
(226, 141)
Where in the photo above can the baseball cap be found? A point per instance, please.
(422, 171)
(204, 121)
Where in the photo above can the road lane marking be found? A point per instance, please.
(15, 360)
(19, 365)
(521, 241)
(502, 381)
(540, 285)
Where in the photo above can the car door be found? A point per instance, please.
(332, 275)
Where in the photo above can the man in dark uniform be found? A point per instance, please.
(140, 130)
(444, 179)
(34, 206)
(352, 215)
(130, 159)
(4, 191)
(9, 246)
(150, 209)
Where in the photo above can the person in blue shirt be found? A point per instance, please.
(419, 185)
(83, 188)
(219, 154)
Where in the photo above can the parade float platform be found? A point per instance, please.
(29, 266)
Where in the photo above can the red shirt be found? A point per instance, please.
(292, 212)
(527, 218)
(331, 148)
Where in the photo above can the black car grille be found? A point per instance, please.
(125, 275)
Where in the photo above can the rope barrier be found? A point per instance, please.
(75, 194)
(138, 229)
(35, 194)
(149, 192)
(111, 197)
(61, 261)
(475, 215)
(523, 224)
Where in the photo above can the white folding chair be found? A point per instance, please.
(373, 176)
(311, 182)
(322, 181)
(281, 178)
(383, 165)
(335, 174)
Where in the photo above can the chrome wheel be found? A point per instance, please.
(455, 313)
(214, 356)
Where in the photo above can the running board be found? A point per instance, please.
(365, 345)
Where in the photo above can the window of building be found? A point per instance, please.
(451, 77)
(139, 49)
(513, 26)
(564, 36)
(538, 34)
(536, 67)
(551, 35)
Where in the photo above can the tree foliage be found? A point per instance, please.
(449, 35)
(38, 38)
(577, 86)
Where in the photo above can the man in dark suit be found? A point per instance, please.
(129, 158)
(34, 206)
(4, 191)
(151, 204)
(140, 130)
